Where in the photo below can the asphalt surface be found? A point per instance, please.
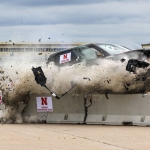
(73, 137)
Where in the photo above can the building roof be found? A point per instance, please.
(42, 43)
(146, 45)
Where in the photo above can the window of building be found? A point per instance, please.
(29, 49)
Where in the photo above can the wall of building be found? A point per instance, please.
(145, 46)
(35, 47)
(42, 49)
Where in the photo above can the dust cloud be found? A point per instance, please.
(106, 76)
(16, 84)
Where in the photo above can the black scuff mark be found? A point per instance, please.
(106, 93)
(87, 98)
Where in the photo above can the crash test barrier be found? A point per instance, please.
(124, 109)
(111, 109)
(68, 109)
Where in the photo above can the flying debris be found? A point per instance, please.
(41, 79)
(134, 63)
(86, 78)
(39, 76)
(122, 60)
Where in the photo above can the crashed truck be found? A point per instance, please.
(92, 84)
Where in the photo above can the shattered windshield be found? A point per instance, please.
(113, 49)
(85, 53)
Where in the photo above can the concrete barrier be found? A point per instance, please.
(31, 110)
(68, 109)
(119, 109)
(128, 109)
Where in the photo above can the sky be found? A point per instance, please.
(122, 22)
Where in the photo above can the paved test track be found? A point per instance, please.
(73, 137)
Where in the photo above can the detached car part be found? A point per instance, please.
(134, 63)
(41, 79)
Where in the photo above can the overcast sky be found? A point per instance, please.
(125, 22)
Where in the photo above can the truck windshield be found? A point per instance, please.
(113, 49)
(85, 53)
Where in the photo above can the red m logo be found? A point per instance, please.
(65, 56)
(44, 101)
